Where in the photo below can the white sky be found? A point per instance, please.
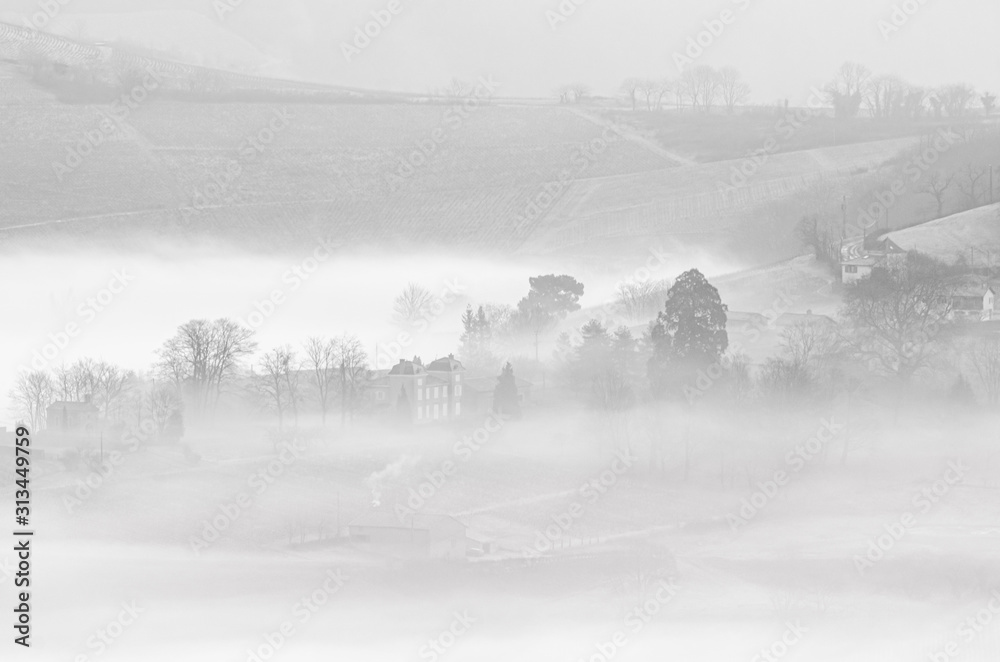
(782, 46)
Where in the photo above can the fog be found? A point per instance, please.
(641, 357)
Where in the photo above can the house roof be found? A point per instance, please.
(971, 286)
(407, 368)
(890, 247)
(446, 364)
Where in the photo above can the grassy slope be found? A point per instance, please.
(329, 170)
(951, 237)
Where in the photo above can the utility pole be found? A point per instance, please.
(343, 393)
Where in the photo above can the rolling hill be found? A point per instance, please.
(949, 238)
(504, 175)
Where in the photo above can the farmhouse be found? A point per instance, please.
(77, 419)
(973, 299)
(417, 535)
(888, 255)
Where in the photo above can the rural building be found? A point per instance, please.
(973, 299)
(420, 394)
(76, 419)
(888, 255)
(415, 536)
(441, 391)
(851, 271)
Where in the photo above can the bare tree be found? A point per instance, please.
(642, 300)
(688, 89)
(707, 83)
(848, 89)
(733, 89)
(969, 180)
(648, 88)
(31, 395)
(989, 102)
(110, 385)
(936, 184)
(203, 356)
(630, 88)
(985, 357)
(580, 91)
(412, 304)
(321, 358)
(277, 383)
(955, 99)
(354, 373)
(885, 96)
(897, 317)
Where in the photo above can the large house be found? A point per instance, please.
(72, 419)
(441, 391)
(888, 255)
(421, 394)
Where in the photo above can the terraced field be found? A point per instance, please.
(537, 179)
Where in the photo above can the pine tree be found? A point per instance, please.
(505, 401)
(689, 335)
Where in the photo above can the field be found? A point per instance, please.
(536, 179)
(949, 238)
(569, 601)
(719, 137)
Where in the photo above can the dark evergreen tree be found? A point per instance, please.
(505, 401)
(689, 335)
